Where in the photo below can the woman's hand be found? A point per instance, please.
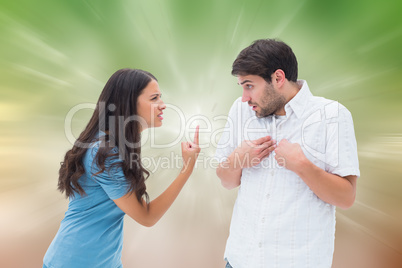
(190, 151)
(149, 214)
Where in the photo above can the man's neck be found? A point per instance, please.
(290, 90)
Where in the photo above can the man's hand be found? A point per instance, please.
(333, 189)
(251, 153)
(289, 155)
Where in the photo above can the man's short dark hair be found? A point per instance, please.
(263, 57)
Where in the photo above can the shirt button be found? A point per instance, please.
(263, 220)
(260, 244)
(268, 196)
(272, 173)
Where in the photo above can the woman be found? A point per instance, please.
(103, 176)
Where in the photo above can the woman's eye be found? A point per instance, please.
(154, 98)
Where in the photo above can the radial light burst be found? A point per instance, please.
(55, 55)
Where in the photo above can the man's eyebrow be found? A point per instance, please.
(245, 81)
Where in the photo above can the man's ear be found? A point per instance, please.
(278, 77)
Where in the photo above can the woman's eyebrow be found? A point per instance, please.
(156, 94)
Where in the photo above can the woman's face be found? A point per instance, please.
(150, 105)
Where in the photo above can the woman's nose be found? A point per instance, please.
(162, 105)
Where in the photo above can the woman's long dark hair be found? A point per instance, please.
(116, 107)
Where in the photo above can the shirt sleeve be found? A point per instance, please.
(112, 179)
(229, 139)
(341, 150)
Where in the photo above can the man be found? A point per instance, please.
(294, 157)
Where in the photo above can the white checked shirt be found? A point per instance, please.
(277, 220)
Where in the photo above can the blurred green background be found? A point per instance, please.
(55, 55)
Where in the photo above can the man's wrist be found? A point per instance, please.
(303, 167)
(231, 161)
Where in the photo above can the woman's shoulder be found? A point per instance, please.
(93, 149)
(95, 146)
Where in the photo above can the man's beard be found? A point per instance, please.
(271, 102)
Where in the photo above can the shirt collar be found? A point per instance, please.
(298, 103)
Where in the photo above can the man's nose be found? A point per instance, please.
(245, 97)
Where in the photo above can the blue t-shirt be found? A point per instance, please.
(91, 233)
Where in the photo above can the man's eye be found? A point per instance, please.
(249, 86)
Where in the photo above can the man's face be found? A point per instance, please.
(262, 96)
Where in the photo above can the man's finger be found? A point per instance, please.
(266, 152)
(269, 143)
(266, 144)
(283, 141)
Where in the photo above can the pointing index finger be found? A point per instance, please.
(196, 135)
